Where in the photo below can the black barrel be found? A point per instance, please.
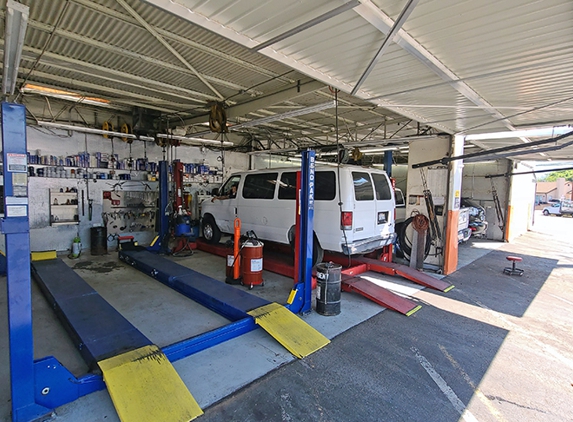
(98, 240)
(328, 285)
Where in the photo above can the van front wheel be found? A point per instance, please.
(211, 232)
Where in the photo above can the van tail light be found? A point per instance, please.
(346, 220)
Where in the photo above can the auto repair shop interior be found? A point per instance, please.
(269, 211)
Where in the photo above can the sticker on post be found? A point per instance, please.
(256, 265)
(16, 211)
(17, 163)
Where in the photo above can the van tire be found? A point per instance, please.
(317, 251)
(211, 232)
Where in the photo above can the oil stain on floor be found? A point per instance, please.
(98, 267)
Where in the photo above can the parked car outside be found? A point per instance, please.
(554, 208)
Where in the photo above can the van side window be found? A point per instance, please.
(382, 186)
(399, 198)
(362, 186)
(287, 186)
(324, 186)
(260, 186)
(227, 188)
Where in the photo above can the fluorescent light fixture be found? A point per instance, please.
(55, 125)
(282, 116)
(375, 150)
(195, 140)
(528, 133)
(65, 95)
(16, 23)
(272, 151)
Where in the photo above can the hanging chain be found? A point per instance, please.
(430, 207)
(498, 210)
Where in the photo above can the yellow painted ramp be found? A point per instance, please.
(144, 387)
(293, 333)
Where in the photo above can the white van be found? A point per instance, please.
(354, 216)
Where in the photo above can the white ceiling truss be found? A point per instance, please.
(403, 69)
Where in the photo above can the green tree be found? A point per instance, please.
(553, 176)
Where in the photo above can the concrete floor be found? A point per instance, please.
(495, 348)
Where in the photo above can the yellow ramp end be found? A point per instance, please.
(144, 387)
(293, 333)
(43, 255)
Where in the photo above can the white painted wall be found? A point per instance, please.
(521, 201)
(61, 143)
(437, 181)
(476, 187)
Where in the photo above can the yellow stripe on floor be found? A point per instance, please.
(293, 333)
(145, 387)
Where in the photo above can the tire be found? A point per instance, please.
(317, 252)
(211, 232)
(545, 212)
(405, 244)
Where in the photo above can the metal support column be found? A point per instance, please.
(300, 300)
(15, 226)
(163, 213)
(388, 163)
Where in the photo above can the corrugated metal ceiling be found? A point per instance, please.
(473, 66)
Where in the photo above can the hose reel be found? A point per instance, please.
(218, 118)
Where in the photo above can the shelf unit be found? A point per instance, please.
(63, 208)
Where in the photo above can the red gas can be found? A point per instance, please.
(252, 263)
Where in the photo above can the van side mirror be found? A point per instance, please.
(215, 192)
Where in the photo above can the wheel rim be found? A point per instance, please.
(208, 231)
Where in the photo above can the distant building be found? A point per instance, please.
(560, 189)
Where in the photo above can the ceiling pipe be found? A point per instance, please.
(493, 152)
(94, 131)
(195, 140)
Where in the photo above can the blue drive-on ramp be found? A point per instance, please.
(226, 300)
(97, 329)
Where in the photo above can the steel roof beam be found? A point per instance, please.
(153, 103)
(386, 43)
(371, 13)
(111, 13)
(122, 81)
(309, 24)
(134, 55)
(243, 109)
(168, 46)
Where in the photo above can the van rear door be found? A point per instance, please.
(364, 215)
(384, 204)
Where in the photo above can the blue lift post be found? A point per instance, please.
(159, 245)
(388, 163)
(16, 228)
(300, 300)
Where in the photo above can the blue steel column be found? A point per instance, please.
(163, 215)
(16, 228)
(388, 163)
(306, 228)
(163, 199)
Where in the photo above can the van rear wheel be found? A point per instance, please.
(211, 232)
